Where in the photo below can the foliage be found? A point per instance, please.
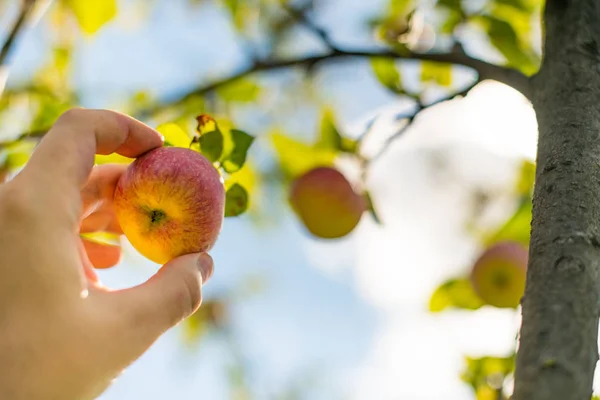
(486, 375)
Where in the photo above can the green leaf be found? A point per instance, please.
(206, 123)
(242, 90)
(236, 200)
(241, 144)
(329, 136)
(451, 4)
(527, 6)
(18, 154)
(386, 72)
(211, 145)
(440, 73)
(526, 178)
(174, 135)
(113, 158)
(371, 208)
(48, 113)
(456, 293)
(400, 7)
(296, 157)
(517, 227)
(453, 19)
(503, 37)
(480, 371)
(92, 14)
(240, 11)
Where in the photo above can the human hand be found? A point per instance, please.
(63, 336)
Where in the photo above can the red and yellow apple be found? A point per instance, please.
(498, 276)
(326, 203)
(169, 202)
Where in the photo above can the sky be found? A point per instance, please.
(352, 311)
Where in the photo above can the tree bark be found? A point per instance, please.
(558, 346)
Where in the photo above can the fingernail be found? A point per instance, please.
(206, 266)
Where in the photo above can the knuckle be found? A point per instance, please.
(188, 297)
(71, 115)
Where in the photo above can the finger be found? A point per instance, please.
(89, 275)
(99, 189)
(102, 256)
(61, 164)
(146, 311)
(101, 221)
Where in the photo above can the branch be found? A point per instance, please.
(410, 118)
(26, 8)
(485, 70)
(299, 14)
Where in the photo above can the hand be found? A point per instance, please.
(63, 336)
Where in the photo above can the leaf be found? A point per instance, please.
(92, 14)
(517, 227)
(242, 90)
(400, 7)
(451, 4)
(371, 208)
(440, 73)
(503, 37)
(453, 19)
(18, 154)
(480, 371)
(106, 238)
(206, 123)
(527, 6)
(386, 72)
(241, 144)
(526, 178)
(329, 136)
(240, 11)
(211, 145)
(174, 135)
(296, 157)
(236, 200)
(247, 176)
(113, 158)
(212, 315)
(456, 293)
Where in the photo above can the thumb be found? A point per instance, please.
(172, 294)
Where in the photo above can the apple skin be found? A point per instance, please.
(169, 202)
(326, 203)
(498, 276)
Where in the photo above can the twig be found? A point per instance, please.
(365, 162)
(485, 70)
(411, 117)
(26, 8)
(299, 14)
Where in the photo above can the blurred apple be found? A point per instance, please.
(498, 276)
(170, 202)
(326, 203)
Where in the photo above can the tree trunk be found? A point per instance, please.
(558, 347)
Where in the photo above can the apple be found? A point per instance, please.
(169, 202)
(498, 276)
(326, 203)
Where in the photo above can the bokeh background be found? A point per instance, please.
(288, 316)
